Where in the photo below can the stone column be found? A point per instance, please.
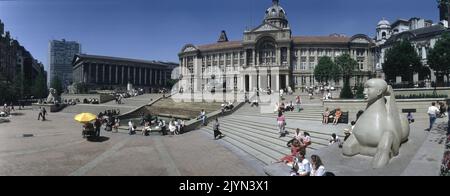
(146, 76)
(139, 76)
(288, 81)
(110, 75)
(82, 73)
(160, 77)
(116, 79)
(97, 68)
(151, 77)
(278, 56)
(277, 83)
(254, 57)
(88, 78)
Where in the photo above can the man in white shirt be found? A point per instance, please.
(432, 112)
(302, 166)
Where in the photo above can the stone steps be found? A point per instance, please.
(250, 149)
(261, 139)
(269, 135)
(309, 113)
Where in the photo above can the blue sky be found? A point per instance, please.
(158, 29)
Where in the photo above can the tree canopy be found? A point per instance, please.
(326, 70)
(57, 85)
(439, 58)
(348, 65)
(402, 60)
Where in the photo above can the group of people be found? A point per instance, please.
(91, 101)
(227, 106)
(175, 127)
(297, 159)
(92, 129)
(7, 109)
(336, 115)
(72, 101)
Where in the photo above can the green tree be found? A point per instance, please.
(40, 89)
(57, 85)
(402, 60)
(82, 88)
(348, 66)
(439, 58)
(360, 92)
(3, 89)
(326, 70)
(171, 83)
(18, 86)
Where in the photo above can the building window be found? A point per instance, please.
(294, 62)
(267, 53)
(303, 52)
(249, 57)
(221, 59)
(360, 63)
(242, 59)
(303, 63)
(215, 60)
(320, 52)
(312, 63)
(312, 52)
(360, 52)
(284, 56)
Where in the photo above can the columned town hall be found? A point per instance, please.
(269, 56)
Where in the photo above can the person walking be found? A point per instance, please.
(130, 128)
(44, 113)
(281, 120)
(433, 111)
(203, 117)
(116, 125)
(98, 126)
(40, 113)
(216, 128)
(326, 116)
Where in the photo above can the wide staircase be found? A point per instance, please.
(311, 112)
(258, 135)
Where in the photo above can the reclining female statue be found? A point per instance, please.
(380, 130)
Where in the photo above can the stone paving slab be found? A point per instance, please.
(58, 149)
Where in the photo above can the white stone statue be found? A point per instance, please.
(53, 96)
(380, 130)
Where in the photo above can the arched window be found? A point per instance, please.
(274, 12)
(383, 35)
(266, 52)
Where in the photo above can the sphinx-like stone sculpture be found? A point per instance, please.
(53, 96)
(381, 130)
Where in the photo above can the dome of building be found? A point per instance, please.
(384, 24)
(275, 11)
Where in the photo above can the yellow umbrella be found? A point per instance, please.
(85, 117)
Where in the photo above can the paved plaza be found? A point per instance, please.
(57, 148)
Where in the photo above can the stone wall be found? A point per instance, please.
(428, 91)
(103, 98)
(353, 106)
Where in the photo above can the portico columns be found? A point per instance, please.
(277, 83)
(287, 81)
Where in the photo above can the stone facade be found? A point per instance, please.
(16, 60)
(269, 56)
(61, 54)
(100, 72)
